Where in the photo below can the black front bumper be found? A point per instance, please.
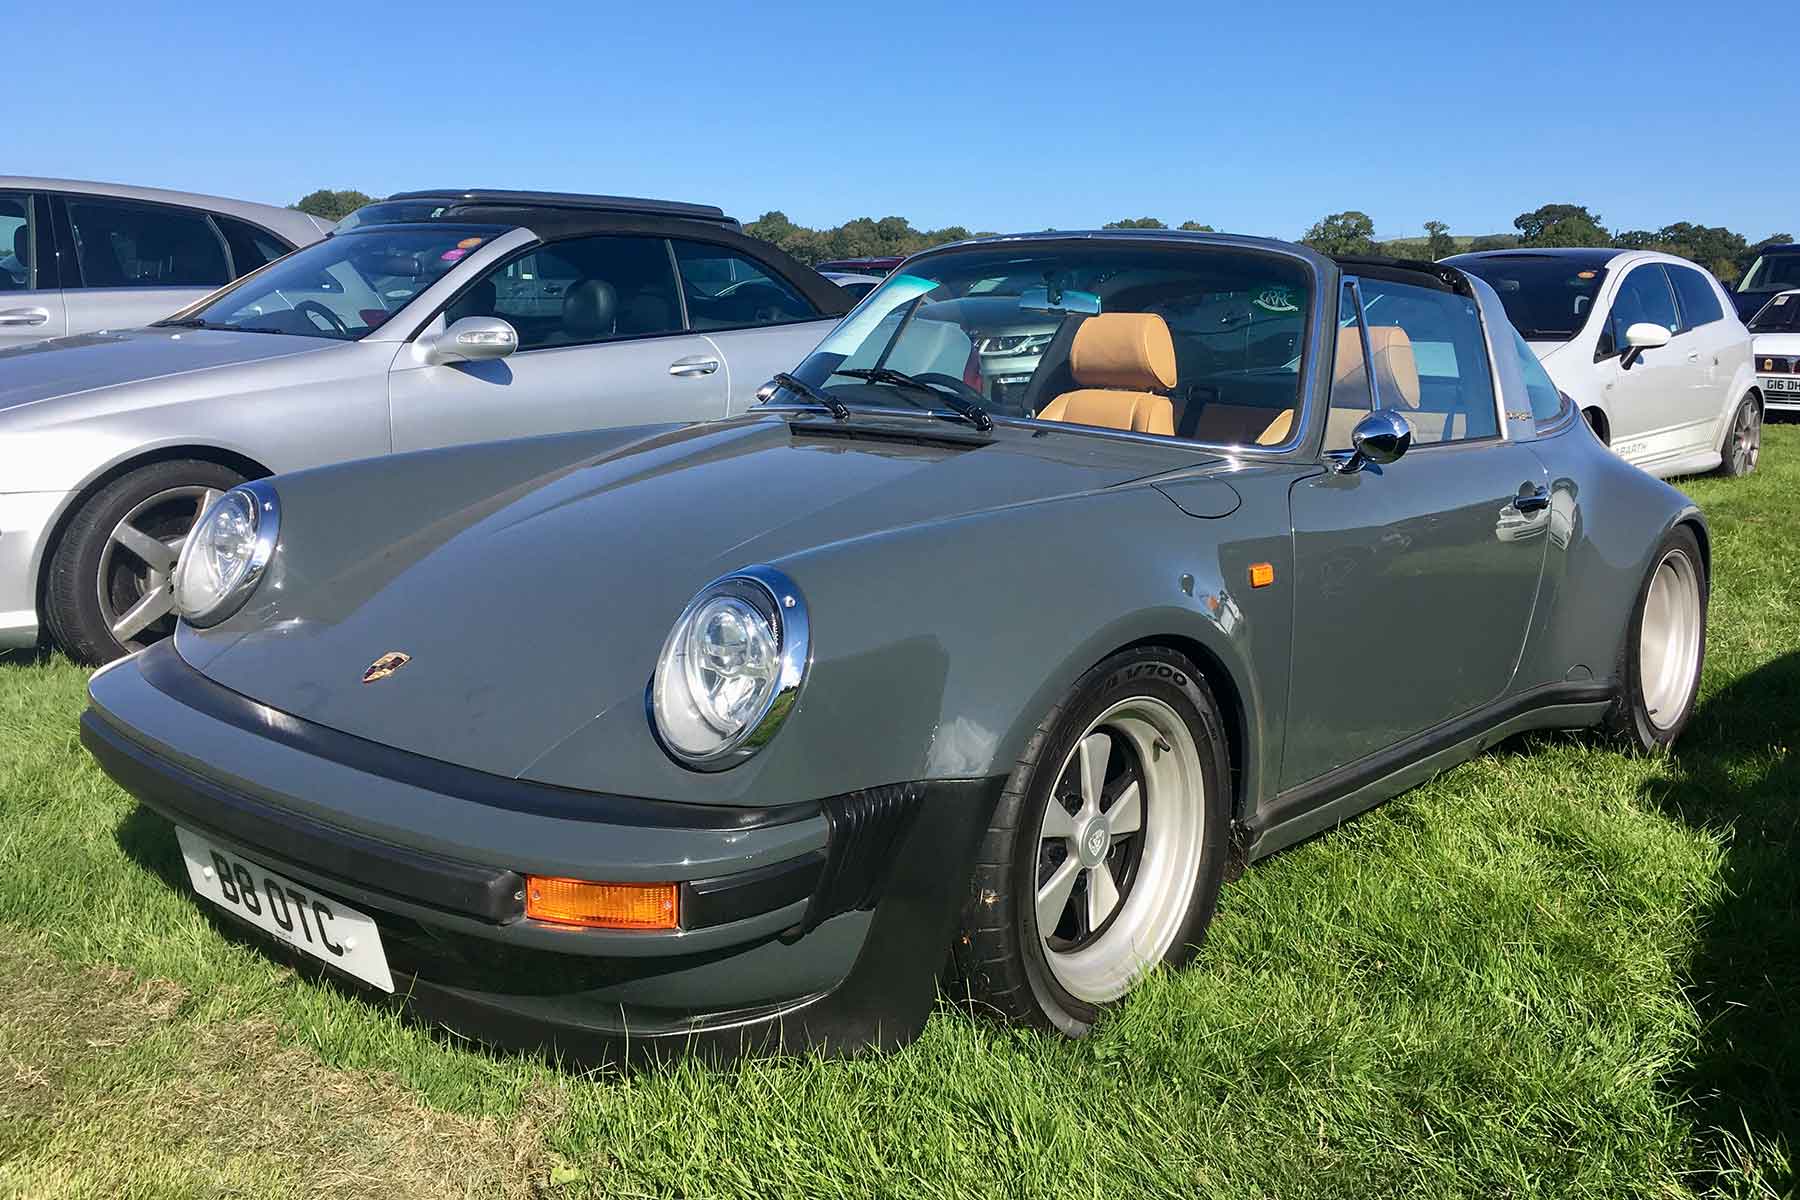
(830, 934)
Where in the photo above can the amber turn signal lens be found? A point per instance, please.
(602, 905)
(1262, 574)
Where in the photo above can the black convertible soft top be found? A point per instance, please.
(456, 199)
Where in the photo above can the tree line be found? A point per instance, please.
(1721, 251)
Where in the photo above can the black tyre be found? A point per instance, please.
(1665, 648)
(107, 592)
(1107, 848)
(1596, 421)
(1743, 441)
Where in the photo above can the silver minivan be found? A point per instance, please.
(425, 320)
(78, 256)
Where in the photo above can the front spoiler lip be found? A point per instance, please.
(432, 890)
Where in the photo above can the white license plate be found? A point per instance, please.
(328, 930)
(1781, 385)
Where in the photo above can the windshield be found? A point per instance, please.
(345, 286)
(1198, 341)
(1773, 273)
(1779, 315)
(1547, 298)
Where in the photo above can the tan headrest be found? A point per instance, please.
(1140, 412)
(1396, 371)
(1129, 351)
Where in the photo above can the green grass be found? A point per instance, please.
(1552, 971)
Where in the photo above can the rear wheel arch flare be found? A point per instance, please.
(1698, 528)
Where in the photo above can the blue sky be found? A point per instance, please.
(1255, 117)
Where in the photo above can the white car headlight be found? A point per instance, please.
(731, 668)
(226, 553)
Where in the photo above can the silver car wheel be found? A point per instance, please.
(1669, 639)
(1746, 439)
(1119, 849)
(136, 565)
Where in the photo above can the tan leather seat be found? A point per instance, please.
(1396, 374)
(1123, 361)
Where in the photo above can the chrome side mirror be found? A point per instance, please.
(1642, 336)
(1379, 438)
(473, 339)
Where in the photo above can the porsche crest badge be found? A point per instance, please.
(386, 665)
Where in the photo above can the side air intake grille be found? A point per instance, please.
(866, 828)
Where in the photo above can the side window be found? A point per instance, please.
(250, 247)
(1546, 398)
(578, 291)
(18, 260)
(1431, 362)
(1643, 296)
(122, 244)
(1699, 303)
(726, 289)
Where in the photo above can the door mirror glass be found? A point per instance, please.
(1379, 438)
(474, 339)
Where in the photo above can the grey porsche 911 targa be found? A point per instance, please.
(1068, 571)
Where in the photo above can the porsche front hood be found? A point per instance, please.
(530, 607)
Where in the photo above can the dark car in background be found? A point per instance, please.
(1775, 270)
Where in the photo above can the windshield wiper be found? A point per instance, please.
(974, 414)
(831, 404)
(203, 323)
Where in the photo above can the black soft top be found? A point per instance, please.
(1402, 270)
(456, 199)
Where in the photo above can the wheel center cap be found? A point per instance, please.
(1094, 842)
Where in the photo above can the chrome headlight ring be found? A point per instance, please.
(203, 596)
(731, 669)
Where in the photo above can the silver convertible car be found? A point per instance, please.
(427, 319)
(739, 734)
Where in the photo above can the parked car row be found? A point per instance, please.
(1647, 346)
(77, 256)
(429, 319)
(991, 622)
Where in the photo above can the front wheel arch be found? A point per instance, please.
(1230, 701)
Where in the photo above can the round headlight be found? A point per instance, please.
(225, 553)
(730, 669)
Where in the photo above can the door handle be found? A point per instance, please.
(1531, 499)
(24, 316)
(1693, 356)
(698, 364)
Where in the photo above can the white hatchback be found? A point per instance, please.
(1647, 345)
(1776, 330)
